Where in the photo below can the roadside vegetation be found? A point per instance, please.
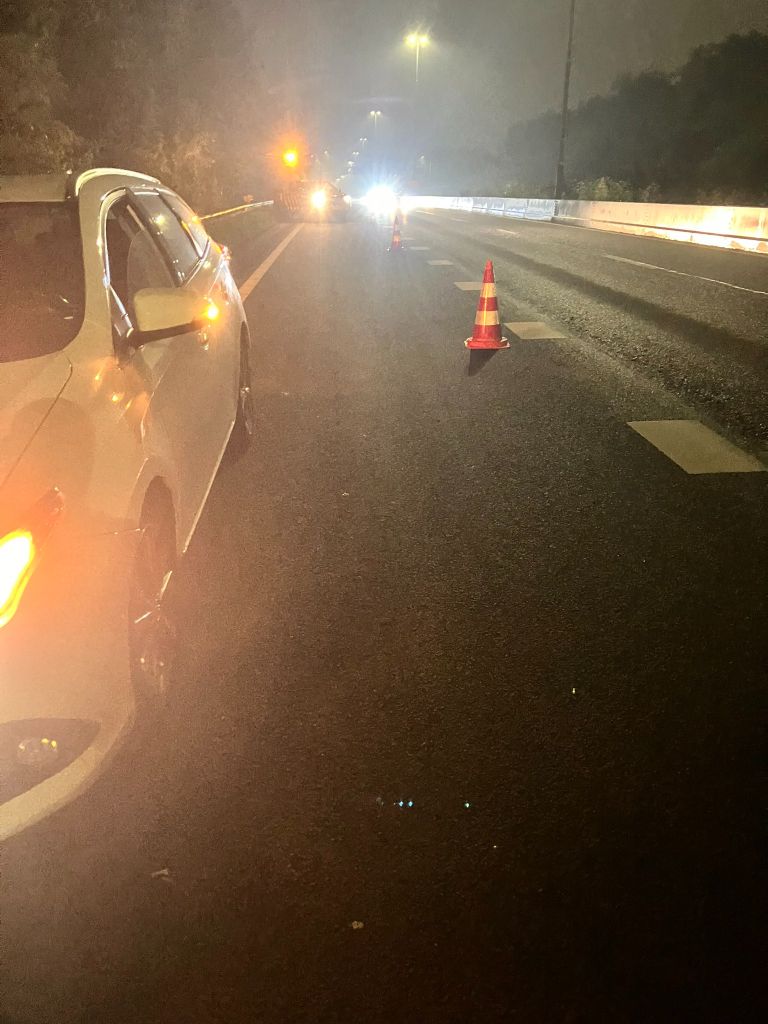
(699, 134)
(172, 89)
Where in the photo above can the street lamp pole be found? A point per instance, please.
(560, 178)
(417, 40)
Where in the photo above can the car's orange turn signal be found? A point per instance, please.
(17, 558)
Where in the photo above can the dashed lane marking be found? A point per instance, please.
(534, 330)
(250, 283)
(680, 273)
(440, 263)
(469, 286)
(695, 448)
(419, 248)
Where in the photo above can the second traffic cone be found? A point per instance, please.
(487, 332)
(397, 242)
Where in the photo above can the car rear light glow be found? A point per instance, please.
(17, 558)
(20, 550)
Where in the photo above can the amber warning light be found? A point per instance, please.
(17, 558)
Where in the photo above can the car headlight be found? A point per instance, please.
(20, 549)
(319, 199)
(381, 201)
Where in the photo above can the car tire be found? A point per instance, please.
(152, 635)
(242, 431)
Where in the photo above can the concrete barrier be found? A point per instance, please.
(728, 227)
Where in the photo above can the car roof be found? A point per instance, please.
(56, 188)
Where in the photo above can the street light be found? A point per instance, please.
(416, 40)
(375, 114)
(560, 176)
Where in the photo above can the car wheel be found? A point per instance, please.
(242, 431)
(152, 632)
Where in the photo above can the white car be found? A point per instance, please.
(124, 377)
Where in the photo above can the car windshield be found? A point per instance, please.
(41, 278)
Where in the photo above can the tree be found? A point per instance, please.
(700, 134)
(32, 138)
(170, 87)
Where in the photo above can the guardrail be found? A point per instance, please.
(237, 209)
(728, 227)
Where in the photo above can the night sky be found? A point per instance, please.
(493, 61)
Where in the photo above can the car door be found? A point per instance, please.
(176, 371)
(214, 279)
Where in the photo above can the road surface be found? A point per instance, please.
(469, 722)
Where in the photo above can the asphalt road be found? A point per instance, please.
(469, 727)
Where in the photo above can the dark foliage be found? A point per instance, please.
(699, 135)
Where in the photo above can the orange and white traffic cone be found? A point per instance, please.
(487, 332)
(397, 242)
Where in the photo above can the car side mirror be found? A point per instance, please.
(166, 312)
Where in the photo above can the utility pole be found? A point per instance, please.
(560, 178)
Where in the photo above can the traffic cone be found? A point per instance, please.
(397, 242)
(487, 332)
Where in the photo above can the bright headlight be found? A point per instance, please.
(381, 200)
(319, 199)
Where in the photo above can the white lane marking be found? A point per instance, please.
(695, 448)
(504, 231)
(419, 248)
(534, 330)
(469, 286)
(440, 263)
(406, 238)
(247, 287)
(680, 273)
(459, 220)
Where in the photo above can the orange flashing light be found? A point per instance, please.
(290, 158)
(17, 560)
(212, 311)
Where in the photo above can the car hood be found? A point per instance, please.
(28, 390)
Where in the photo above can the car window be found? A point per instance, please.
(41, 278)
(189, 221)
(170, 234)
(134, 260)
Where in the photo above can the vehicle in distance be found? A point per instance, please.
(312, 200)
(124, 376)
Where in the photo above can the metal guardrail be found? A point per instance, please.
(237, 209)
